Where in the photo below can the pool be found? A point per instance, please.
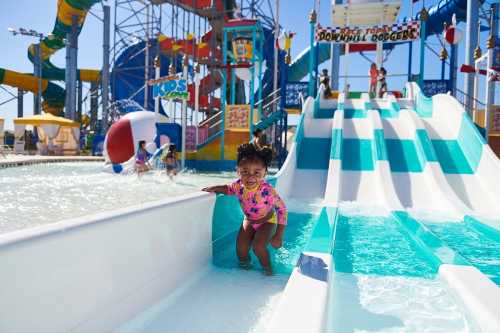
(384, 282)
(45, 193)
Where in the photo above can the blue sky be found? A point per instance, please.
(40, 15)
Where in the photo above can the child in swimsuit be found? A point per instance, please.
(265, 212)
(170, 161)
(141, 158)
(382, 82)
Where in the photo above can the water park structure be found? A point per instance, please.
(391, 194)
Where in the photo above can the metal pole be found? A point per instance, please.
(252, 82)
(470, 44)
(157, 64)
(79, 101)
(453, 69)
(443, 64)
(223, 92)
(94, 87)
(197, 98)
(105, 67)
(71, 68)
(185, 62)
(312, 83)
(259, 73)
(38, 73)
(490, 84)
(276, 49)
(146, 61)
(20, 103)
(335, 62)
(74, 63)
(423, 18)
(476, 92)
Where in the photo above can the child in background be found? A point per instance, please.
(258, 139)
(170, 160)
(382, 82)
(373, 78)
(265, 212)
(141, 158)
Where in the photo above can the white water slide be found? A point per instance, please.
(416, 153)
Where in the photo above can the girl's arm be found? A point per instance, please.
(281, 212)
(217, 189)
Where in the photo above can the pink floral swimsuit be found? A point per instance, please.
(259, 202)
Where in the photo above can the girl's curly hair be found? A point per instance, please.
(248, 152)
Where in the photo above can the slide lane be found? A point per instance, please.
(468, 164)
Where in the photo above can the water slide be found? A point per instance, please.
(439, 13)
(420, 162)
(53, 95)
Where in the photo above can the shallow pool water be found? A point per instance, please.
(376, 245)
(384, 282)
(40, 194)
(369, 303)
(223, 298)
(477, 248)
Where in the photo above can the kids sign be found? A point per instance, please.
(171, 89)
(398, 32)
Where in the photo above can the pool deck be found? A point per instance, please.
(19, 160)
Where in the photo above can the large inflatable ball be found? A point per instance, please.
(123, 137)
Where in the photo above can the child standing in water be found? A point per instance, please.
(141, 158)
(170, 160)
(265, 212)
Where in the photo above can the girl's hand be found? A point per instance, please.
(215, 189)
(276, 241)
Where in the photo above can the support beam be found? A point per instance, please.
(79, 101)
(312, 58)
(105, 68)
(335, 61)
(490, 84)
(71, 68)
(37, 71)
(423, 21)
(453, 69)
(94, 104)
(20, 103)
(470, 45)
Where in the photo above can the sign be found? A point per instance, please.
(433, 87)
(237, 116)
(293, 91)
(495, 119)
(171, 89)
(395, 33)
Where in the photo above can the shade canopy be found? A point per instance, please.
(46, 119)
(365, 13)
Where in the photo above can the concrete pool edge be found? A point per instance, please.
(108, 266)
(38, 159)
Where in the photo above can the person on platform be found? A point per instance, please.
(373, 79)
(382, 82)
(324, 79)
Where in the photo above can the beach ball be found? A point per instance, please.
(453, 35)
(122, 138)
